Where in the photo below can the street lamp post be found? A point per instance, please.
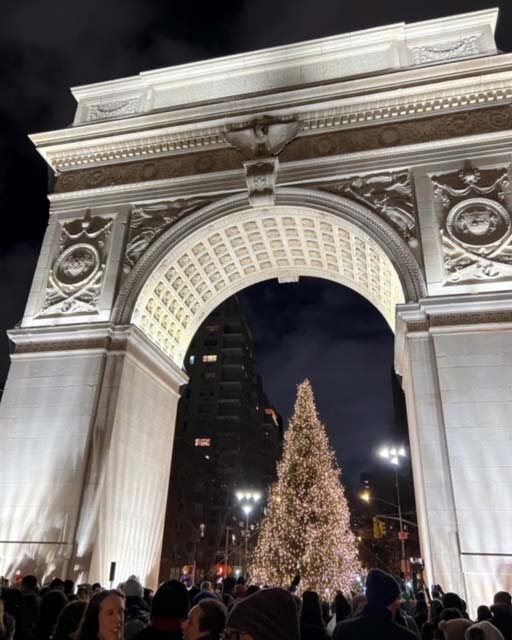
(246, 508)
(247, 499)
(393, 456)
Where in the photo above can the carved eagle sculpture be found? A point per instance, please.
(262, 138)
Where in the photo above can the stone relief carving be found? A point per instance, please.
(147, 222)
(263, 137)
(415, 131)
(475, 231)
(76, 276)
(468, 46)
(389, 194)
(260, 142)
(112, 109)
(261, 176)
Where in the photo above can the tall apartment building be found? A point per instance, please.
(228, 437)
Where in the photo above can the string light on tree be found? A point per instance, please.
(307, 527)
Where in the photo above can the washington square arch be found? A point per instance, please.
(379, 160)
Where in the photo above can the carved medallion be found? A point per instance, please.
(478, 222)
(76, 265)
(475, 231)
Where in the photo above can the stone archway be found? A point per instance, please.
(180, 186)
(227, 246)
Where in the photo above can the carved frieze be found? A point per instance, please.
(147, 222)
(76, 276)
(368, 138)
(475, 224)
(389, 194)
(465, 47)
(113, 109)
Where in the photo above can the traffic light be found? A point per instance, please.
(379, 528)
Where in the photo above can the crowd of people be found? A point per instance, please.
(235, 610)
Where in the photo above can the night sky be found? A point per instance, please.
(315, 328)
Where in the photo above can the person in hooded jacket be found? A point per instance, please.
(376, 621)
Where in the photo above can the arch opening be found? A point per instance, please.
(195, 271)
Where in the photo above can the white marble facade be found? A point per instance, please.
(379, 160)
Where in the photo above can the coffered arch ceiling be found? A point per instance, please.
(224, 256)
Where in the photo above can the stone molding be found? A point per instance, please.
(424, 130)
(171, 142)
(378, 229)
(106, 338)
(454, 312)
(347, 114)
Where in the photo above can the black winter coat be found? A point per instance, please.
(372, 624)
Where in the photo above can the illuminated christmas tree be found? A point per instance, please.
(307, 527)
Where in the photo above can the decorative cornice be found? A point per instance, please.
(346, 114)
(422, 130)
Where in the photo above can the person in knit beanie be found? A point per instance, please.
(377, 619)
(137, 610)
(484, 630)
(269, 614)
(169, 608)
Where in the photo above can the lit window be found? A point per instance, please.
(191, 359)
(203, 442)
(212, 328)
(210, 357)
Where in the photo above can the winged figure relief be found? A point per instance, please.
(262, 138)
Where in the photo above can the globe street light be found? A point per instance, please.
(393, 455)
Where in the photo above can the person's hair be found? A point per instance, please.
(228, 584)
(451, 613)
(2, 625)
(83, 593)
(435, 610)
(475, 633)
(57, 583)
(311, 609)
(69, 620)
(213, 617)
(503, 597)
(483, 613)
(69, 586)
(90, 623)
(342, 609)
(206, 585)
(30, 582)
